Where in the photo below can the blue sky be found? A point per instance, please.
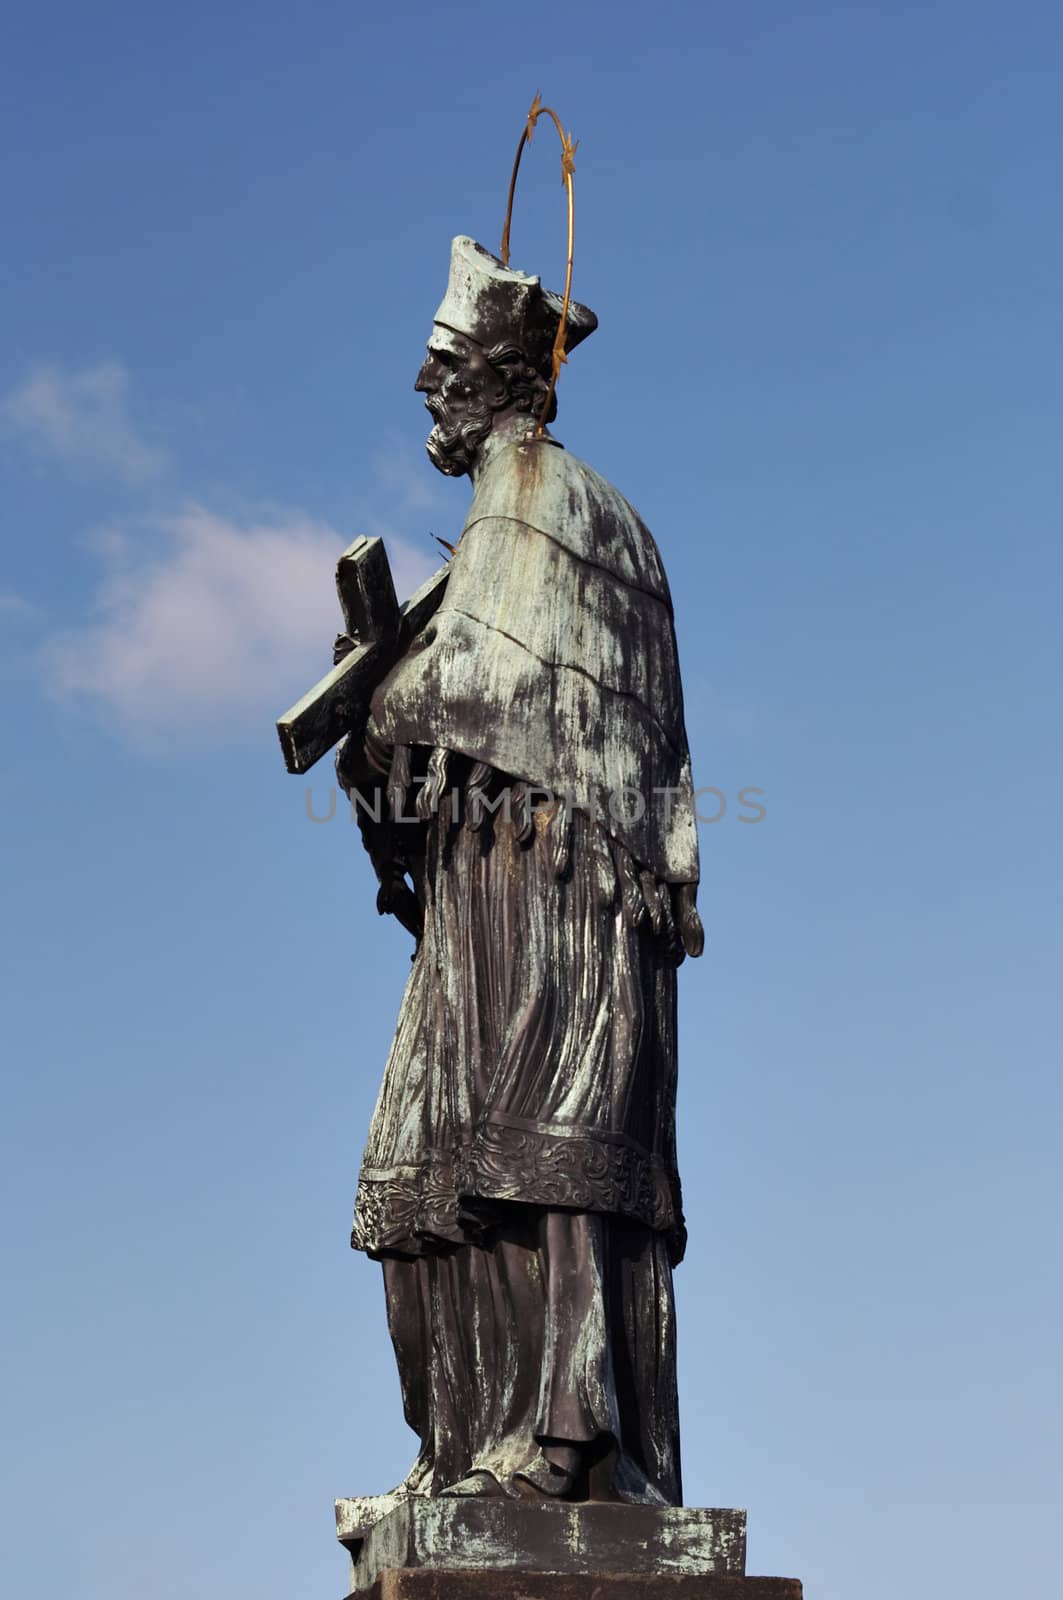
(824, 243)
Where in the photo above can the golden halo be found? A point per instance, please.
(569, 147)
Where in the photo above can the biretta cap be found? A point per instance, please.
(492, 304)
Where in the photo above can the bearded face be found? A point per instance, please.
(462, 393)
(468, 390)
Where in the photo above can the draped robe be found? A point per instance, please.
(519, 1182)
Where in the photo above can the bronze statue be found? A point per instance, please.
(517, 755)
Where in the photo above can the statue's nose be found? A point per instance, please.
(423, 383)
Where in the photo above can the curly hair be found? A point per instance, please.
(526, 385)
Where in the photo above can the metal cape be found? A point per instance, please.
(553, 657)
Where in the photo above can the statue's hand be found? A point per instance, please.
(344, 644)
(395, 898)
(687, 920)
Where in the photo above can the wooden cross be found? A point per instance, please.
(382, 630)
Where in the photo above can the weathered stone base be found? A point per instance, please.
(424, 1584)
(484, 1549)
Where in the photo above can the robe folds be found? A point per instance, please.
(519, 1181)
(552, 655)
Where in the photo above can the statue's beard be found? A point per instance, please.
(457, 436)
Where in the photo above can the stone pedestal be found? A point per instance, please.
(422, 1584)
(485, 1549)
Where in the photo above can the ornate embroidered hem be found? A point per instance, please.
(447, 1198)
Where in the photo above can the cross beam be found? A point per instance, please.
(339, 702)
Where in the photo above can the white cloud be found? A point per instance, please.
(219, 628)
(81, 417)
(202, 625)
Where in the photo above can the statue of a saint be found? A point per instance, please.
(519, 1184)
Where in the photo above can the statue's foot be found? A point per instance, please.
(478, 1485)
(543, 1477)
(553, 1470)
